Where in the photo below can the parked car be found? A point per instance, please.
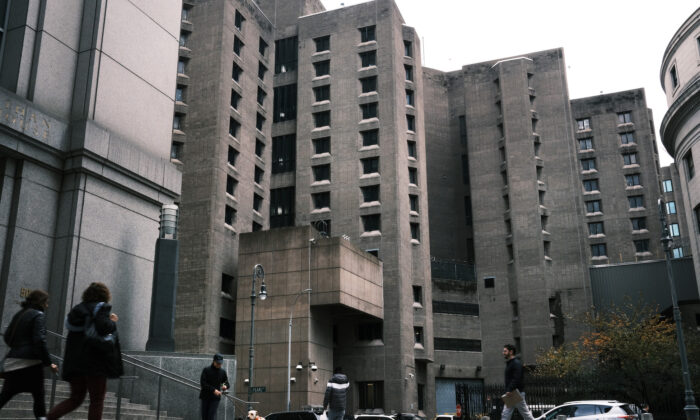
(446, 417)
(293, 415)
(591, 410)
(375, 417)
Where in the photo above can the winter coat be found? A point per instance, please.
(514, 375)
(81, 357)
(336, 392)
(26, 336)
(212, 378)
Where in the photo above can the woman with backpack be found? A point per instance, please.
(92, 352)
(24, 363)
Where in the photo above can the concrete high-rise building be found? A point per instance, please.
(328, 133)
(680, 128)
(84, 152)
(675, 209)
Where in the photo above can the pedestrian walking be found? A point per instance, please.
(214, 382)
(23, 366)
(515, 387)
(335, 398)
(92, 352)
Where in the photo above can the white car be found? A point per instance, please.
(591, 410)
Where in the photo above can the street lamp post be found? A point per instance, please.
(691, 410)
(289, 348)
(258, 272)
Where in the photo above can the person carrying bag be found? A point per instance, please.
(92, 352)
(23, 367)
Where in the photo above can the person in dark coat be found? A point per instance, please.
(24, 364)
(86, 366)
(335, 398)
(214, 381)
(514, 383)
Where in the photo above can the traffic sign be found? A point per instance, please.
(258, 389)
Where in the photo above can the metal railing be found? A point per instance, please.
(146, 368)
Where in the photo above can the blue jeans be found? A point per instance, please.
(521, 406)
(335, 414)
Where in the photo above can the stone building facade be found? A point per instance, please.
(84, 152)
(680, 128)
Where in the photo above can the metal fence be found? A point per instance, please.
(543, 394)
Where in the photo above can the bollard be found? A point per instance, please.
(647, 416)
(561, 417)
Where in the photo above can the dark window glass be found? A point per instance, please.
(262, 48)
(184, 38)
(261, 96)
(322, 145)
(689, 165)
(636, 201)
(627, 138)
(415, 231)
(370, 137)
(412, 149)
(457, 344)
(413, 176)
(259, 175)
(177, 122)
(321, 200)
(460, 308)
(585, 144)
(230, 215)
(322, 119)
(259, 122)
(369, 84)
(370, 395)
(588, 164)
(468, 211)
(593, 206)
(237, 46)
(632, 180)
(284, 153)
(624, 118)
(257, 227)
(370, 193)
(176, 150)
(418, 294)
(370, 165)
(629, 158)
(235, 99)
(596, 228)
(257, 202)
(179, 94)
(233, 127)
(368, 58)
(598, 250)
(238, 22)
(590, 185)
(410, 99)
(181, 67)
(410, 123)
(232, 156)
(408, 49)
(418, 334)
(259, 148)
(583, 124)
(413, 202)
(371, 222)
(322, 93)
(465, 169)
(285, 103)
(282, 207)
(231, 185)
(322, 172)
(409, 72)
(322, 68)
(227, 284)
(674, 77)
(369, 331)
(236, 73)
(463, 130)
(261, 71)
(639, 223)
(368, 33)
(286, 55)
(323, 43)
(227, 328)
(641, 245)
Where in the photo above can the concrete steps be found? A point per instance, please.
(20, 407)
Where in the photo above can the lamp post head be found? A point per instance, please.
(263, 291)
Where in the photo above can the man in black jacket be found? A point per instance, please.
(514, 383)
(214, 381)
(336, 395)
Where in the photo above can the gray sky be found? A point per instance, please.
(609, 46)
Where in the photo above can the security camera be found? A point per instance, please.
(299, 367)
(314, 368)
(293, 380)
(246, 381)
(411, 376)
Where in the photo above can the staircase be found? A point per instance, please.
(20, 407)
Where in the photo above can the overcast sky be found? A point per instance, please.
(609, 45)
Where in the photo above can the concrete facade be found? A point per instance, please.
(680, 128)
(621, 157)
(675, 210)
(84, 141)
(346, 293)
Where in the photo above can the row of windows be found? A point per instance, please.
(635, 202)
(638, 223)
(583, 124)
(587, 143)
(590, 164)
(640, 245)
(591, 185)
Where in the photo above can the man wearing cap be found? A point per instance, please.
(213, 381)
